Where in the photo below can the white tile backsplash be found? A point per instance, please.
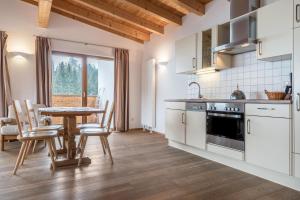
(253, 77)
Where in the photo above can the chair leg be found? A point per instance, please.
(108, 148)
(103, 145)
(2, 142)
(19, 158)
(79, 143)
(59, 141)
(34, 146)
(84, 140)
(24, 153)
(49, 143)
(53, 144)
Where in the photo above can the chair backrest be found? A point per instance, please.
(112, 110)
(19, 116)
(104, 114)
(31, 115)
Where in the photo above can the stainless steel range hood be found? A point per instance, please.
(242, 27)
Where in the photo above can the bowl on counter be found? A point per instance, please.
(275, 95)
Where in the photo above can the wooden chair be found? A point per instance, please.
(97, 125)
(34, 124)
(28, 137)
(103, 133)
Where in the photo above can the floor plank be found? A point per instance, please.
(144, 168)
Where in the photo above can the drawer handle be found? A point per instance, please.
(182, 118)
(297, 13)
(266, 108)
(248, 126)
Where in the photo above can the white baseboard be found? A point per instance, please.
(276, 177)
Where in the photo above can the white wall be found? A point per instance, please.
(19, 20)
(169, 84)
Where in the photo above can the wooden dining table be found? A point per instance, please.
(69, 115)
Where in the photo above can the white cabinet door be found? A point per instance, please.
(296, 13)
(186, 54)
(297, 165)
(196, 129)
(175, 125)
(296, 86)
(274, 30)
(267, 143)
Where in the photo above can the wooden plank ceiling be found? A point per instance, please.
(132, 19)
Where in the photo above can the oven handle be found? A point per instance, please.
(225, 115)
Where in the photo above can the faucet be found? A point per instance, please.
(199, 91)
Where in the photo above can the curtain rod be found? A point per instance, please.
(78, 42)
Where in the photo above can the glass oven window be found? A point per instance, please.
(232, 128)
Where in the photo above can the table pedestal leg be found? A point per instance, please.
(72, 131)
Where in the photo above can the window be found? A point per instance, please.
(80, 80)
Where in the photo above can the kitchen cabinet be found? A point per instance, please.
(296, 13)
(196, 129)
(186, 54)
(296, 87)
(274, 31)
(206, 58)
(267, 138)
(175, 121)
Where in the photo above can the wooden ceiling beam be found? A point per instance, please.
(157, 11)
(44, 13)
(194, 6)
(122, 15)
(100, 21)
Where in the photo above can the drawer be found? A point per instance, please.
(269, 110)
(175, 105)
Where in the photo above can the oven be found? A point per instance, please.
(225, 125)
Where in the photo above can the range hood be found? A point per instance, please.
(242, 28)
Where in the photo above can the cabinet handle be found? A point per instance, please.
(297, 13)
(182, 118)
(297, 102)
(194, 62)
(266, 108)
(260, 48)
(248, 126)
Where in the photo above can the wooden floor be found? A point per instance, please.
(145, 168)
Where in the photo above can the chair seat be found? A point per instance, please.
(94, 131)
(81, 126)
(9, 130)
(37, 135)
(48, 128)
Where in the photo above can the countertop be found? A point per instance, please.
(253, 101)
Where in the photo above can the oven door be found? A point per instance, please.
(226, 129)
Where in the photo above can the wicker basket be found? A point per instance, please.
(275, 95)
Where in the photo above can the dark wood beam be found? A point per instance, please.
(194, 6)
(122, 15)
(94, 19)
(157, 11)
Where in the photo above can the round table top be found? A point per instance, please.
(69, 111)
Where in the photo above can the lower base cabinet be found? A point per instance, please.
(175, 125)
(268, 143)
(196, 129)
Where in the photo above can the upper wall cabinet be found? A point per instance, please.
(195, 52)
(296, 13)
(207, 41)
(186, 54)
(274, 31)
